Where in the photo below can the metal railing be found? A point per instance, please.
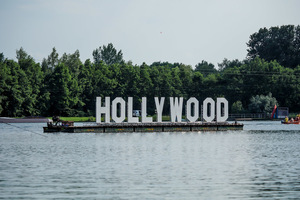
(249, 115)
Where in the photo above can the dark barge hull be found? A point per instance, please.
(147, 127)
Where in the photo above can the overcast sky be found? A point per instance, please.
(184, 31)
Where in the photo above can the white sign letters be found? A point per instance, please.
(116, 110)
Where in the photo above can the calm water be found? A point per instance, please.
(261, 162)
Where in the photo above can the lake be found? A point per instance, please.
(260, 162)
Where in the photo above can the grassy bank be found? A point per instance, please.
(77, 119)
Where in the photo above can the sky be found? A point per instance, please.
(182, 31)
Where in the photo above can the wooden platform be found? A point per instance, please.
(146, 127)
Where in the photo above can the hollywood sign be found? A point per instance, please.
(211, 109)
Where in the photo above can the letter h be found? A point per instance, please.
(102, 110)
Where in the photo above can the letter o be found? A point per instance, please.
(189, 103)
(205, 109)
(118, 100)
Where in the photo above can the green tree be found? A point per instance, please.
(22, 55)
(205, 68)
(4, 79)
(86, 79)
(108, 54)
(186, 77)
(212, 88)
(2, 58)
(294, 96)
(276, 43)
(176, 82)
(232, 84)
(10, 90)
(49, 63)
(237, 107)
(257, 79)
(73, 62)
(288, 90)
(262, 103)
(197, 86)
(145, 84)
(97, 80)
(226, 64)
(48, 66)
(161, 77)
(30, 79)
(131, 79)
(52, 59)
(60, 95)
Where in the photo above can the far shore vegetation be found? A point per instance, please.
(66, 86)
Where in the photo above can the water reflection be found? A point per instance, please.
(261, 162)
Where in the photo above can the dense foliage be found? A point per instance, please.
(67, 87)
(277, 43)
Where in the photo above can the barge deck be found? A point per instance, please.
(145, 127)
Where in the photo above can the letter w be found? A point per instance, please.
(176, 109)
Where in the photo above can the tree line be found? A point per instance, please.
(66, 86)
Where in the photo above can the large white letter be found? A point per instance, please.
(102, 110)
(176, 109)
(159, 108)
(205, 109)
(130, 118)
(221, 118)
(120, 101)
(144, 111)
(189, 109)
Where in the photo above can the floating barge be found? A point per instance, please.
(143, 127)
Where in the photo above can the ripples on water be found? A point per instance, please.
(261, 162)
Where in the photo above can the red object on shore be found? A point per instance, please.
(274, 110)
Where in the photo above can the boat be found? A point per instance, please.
(291, 122)
(58, 126)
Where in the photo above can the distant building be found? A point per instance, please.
(281, 112)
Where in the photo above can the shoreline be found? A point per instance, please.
(93, 119)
